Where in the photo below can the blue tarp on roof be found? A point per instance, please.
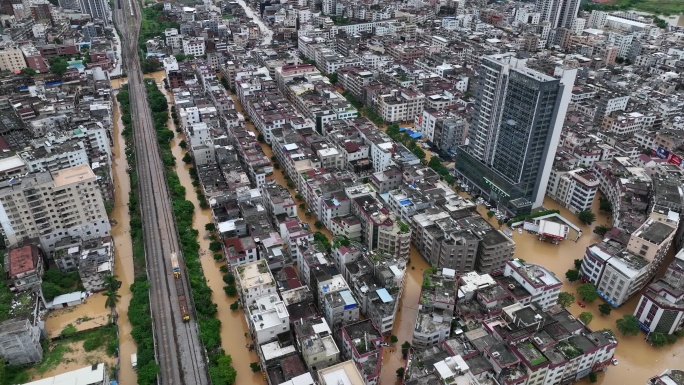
(402, 129)
(384, 295)
(416, 135)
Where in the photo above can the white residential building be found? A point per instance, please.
(51, 206)
(537, 280)
(254, 280)
(267, 318)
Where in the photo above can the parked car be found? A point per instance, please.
(581, 304)
(614, 361)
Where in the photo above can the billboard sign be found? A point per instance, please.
(662, 153)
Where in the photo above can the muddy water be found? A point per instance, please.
(123, 250)
(88, 315)
(406, 317)
(638, 360)
(233, 323)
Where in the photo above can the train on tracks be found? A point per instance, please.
(182, 301)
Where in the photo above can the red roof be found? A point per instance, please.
(22, 259)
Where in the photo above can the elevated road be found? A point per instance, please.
(178, 350)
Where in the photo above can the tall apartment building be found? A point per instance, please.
(11, 57)
(661, 307)
(53, 205)
(98, 9)
(515, 130)
(560, 14)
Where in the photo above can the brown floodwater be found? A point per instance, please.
(88, 315)
(123, 250)
(638, 361)
(233, 323)
(94, 310)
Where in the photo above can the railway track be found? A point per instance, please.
(178, 350)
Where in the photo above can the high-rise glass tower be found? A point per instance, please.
(514, 132)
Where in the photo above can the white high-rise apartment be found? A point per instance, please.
(560, 13)
(53, 205)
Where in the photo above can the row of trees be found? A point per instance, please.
(221, 370)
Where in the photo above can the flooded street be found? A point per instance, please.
(123, 250)
(638, 361)
(266, 33)
(233, 323)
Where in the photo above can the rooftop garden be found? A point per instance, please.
(569, 349)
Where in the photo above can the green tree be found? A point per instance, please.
(215, 246)
(302, 206)
(260, 138)
(604, 204)
(333, 77)
(578, 264)
(586, 317)
(318, 224)
(28, 71)
(587, 291)
(58, 65)
(298, 196)
(572, 275)
(628, 325)
(394, 339)
(405, 348)
(255, 367)
(658, 339)
(112, 298)
(235, 305)
(50, 290)
(229, 279)
(187, 158)
(223, 373)
(586, 216)
(112, 282)
(210, 227)
(418, 152)
(150, 65)
(593, 377)
(602, 229)
(490, 214)
(400, 372)
(565, 299)
(605, 309)
(230, 290)
(183, 144)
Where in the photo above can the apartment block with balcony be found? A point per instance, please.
(399, 105)
(537, 280)
(279, 203)
(53, 205)
(437, 304)
(661, 306)
(573, 189)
